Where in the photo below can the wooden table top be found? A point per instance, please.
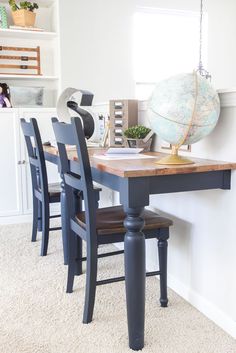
(146, 167)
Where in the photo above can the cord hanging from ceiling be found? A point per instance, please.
(200, 69)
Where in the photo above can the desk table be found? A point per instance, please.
(136, 180)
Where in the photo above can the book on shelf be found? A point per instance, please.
(3, 17)
(35, 29)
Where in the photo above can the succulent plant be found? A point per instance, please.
(13, 5)
(26, 5)
(137, 132)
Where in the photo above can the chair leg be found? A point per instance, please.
(45, 228)
(91, 278)
(79, 243)
(70, 277)
(72, 260)
(162, 251)
(39, 216)
(35, 219)
(78, 256)
(64, 224)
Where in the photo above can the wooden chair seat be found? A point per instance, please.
(110, 220)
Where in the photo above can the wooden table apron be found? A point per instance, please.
(134, 196)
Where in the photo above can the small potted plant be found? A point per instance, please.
(139, 136)
(23, 14)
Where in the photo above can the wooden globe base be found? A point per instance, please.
(174, 160)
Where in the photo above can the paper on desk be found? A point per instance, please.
(113, 157)
(119, 151)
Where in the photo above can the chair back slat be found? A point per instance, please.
(27, 128)
(65, 135)
(74, 182)
(77, 174)
(34, 161)
(75, 167)
(36, 156)
(28, 132)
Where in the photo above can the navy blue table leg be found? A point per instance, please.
(135, 276)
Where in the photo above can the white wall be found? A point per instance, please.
(96, 47)
(202, 246)
(96, 43)
(221, 42)
(97, 55)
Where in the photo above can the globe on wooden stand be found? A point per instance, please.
(174, 158)
(182, 110)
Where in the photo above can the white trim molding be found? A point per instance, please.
(15, 219)
(227, 97)
(207, 308)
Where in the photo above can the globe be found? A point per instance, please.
(182, 110)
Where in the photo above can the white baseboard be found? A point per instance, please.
(211, 311)
(26, 218)
(200, 303)
(16, 219)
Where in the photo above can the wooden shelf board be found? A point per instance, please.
(41, 3)
(28, 77)
(17, 33)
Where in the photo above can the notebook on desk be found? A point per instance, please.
(113, 151)
(122, 157)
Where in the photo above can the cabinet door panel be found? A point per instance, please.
(10, 156)
(43, 117)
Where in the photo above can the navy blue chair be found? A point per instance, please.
(43, 193)
(95, 225)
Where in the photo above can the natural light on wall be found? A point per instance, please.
(166, 42)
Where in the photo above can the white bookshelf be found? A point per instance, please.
(28, 77)
(48, 40)
(41, 3)
(21, 34)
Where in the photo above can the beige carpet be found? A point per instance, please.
(37, 316)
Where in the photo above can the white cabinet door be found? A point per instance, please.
(43, 117)
(15, 178)
(10, 157)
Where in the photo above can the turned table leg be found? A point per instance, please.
(135, 275)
